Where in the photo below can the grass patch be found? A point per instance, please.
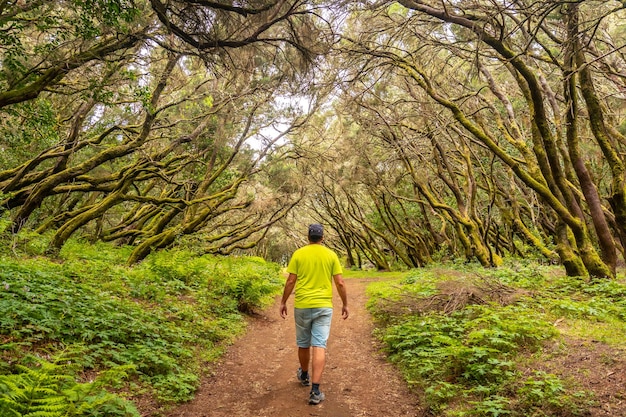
(612, 333)
(350, 273)
(467, 337)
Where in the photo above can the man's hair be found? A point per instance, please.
(315, 239)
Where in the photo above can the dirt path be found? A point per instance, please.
(256, 377)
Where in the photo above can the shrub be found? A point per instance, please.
(163, 317)
(457, 335)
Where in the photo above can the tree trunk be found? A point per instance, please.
(574, 267)
(588, 188)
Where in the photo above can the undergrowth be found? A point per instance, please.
(465, 336)
(153, 326)
(51, 389)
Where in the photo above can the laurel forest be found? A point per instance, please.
(160, 160)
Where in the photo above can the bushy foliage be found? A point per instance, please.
(473, 351)
(161, 317)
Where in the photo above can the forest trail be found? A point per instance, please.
(257, 375)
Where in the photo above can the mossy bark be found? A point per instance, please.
(573, 264)
(606, 265)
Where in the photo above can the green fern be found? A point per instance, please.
(32, 392)
(49, 390)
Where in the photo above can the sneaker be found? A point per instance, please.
(315, 399)
(305, 382)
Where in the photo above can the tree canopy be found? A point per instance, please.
(417, 131)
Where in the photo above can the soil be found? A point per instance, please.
(257, 376)
(594, 367)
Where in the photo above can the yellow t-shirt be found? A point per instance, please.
(314, 265)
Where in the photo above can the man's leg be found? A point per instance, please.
(319, 335)
(303, 340)
(304, 355)
(319, 361)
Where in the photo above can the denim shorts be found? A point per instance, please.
(312, 326)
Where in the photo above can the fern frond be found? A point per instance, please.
(10, 410)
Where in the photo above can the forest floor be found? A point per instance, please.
(257, 375)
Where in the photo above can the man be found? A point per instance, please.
(312, 269)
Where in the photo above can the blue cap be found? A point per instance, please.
(316, 230)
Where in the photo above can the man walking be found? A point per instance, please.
(312, 269)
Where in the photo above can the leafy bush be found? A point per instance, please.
(546, 394)
(163, 317)
(471, 351)
(474, 347)
(249, 284)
